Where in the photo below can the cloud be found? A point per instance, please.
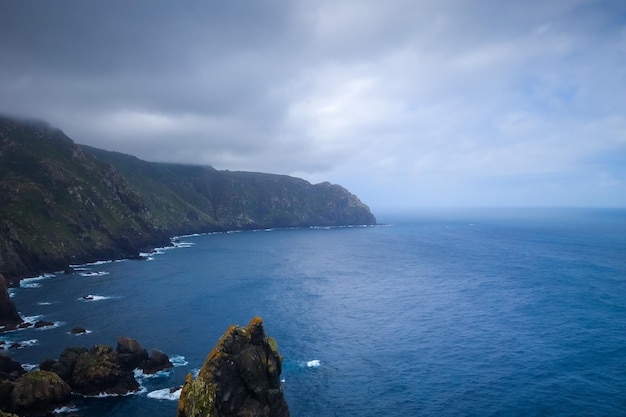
(403, 102)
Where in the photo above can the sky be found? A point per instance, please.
(417, 103)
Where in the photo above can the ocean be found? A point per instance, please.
(432, 313)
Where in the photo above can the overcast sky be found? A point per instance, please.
(405, 103)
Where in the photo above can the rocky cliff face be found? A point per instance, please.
(9, 316)
(61, 203)
(240, 377)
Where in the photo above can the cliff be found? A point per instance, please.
(240, 377)
(62, 203)
(9, 317)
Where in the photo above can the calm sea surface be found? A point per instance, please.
(450, 313)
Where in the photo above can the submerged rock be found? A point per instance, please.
(240, 377)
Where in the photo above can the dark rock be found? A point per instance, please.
(69, 270)
(99, 371)
(8, 313)
(130, 353)
(64, 367)
(78, 330)
(6, 388)
(158, 361)
(9, 369)
(42, 323)
(240, 377)
(39, 391)
(25, 325)
(47, 364)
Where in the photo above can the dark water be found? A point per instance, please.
(476, 313)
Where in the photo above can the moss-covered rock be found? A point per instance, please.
(240, 377)
(99, 371)
(39, 391)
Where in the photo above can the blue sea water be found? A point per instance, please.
(443, 313)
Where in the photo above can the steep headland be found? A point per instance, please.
(62, 203)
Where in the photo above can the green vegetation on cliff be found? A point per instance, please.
(62, 203)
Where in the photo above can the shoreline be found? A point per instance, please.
(144, 255)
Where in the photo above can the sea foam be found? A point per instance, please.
(165, 394)
(313, 363)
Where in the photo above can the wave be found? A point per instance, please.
(142, 390)
(32, 319)
(315, 363)
(184, 244)
(34, 282)
(54, 325)
(93, 273)
(170, 394)
(178, 360)
(65, 410)
(92, 297)
(140, 375)
(29, 367)
(44, 303)
(18, 344)
(96, 263)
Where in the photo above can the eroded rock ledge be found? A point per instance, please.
(240, 377)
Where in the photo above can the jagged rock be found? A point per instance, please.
(64, 367)
(39, 390)
(98, 370)
(157, 361)
(240, 377)
(9, 316)
(130, 353)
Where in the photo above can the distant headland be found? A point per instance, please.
(62, 203)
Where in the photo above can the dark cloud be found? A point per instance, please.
(378, 96)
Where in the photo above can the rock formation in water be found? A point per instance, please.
(9, 317)
(61, 203)
(240, 377)
(104, 370)
(78, 370)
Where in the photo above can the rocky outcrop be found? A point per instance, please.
(132, 356)
(32, 392)
(9, 317)
(78, 370)
(240, 377)
(39, 391)
(107, 205)
(104, 370)
(99, 371)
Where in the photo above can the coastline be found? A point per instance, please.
(144, 252)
